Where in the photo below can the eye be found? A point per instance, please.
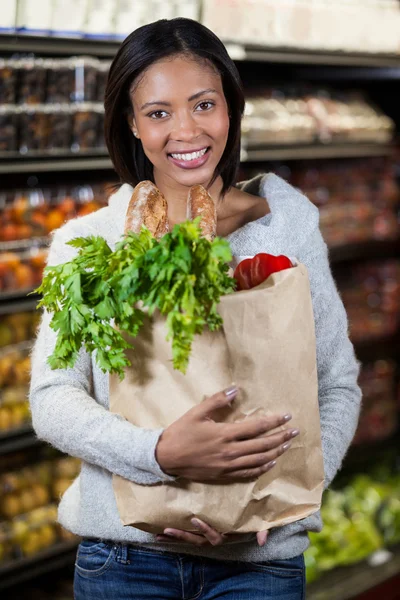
(157, 114)
(205, 105)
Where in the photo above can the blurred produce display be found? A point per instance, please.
(358, 200)
(21, 271)
(359, 519)
(284, 116)
(371, 295)
(379, 411)
(344, 26)
(36, 212)
(14, 383)
(28, 512)
(18, 327)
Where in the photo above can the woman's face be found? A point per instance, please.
(181, 117)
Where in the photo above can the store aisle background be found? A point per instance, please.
(322, 111)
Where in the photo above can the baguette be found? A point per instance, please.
(148, 207)
(200, 204)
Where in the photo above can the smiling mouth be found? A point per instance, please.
(189, 156)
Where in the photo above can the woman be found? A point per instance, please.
(173, 108)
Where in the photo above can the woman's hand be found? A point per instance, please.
(207, 535)
(200, 449)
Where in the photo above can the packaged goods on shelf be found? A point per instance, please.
(8, 15)
(371, 296)
(8, 86)
(379, 413)
(358, 200)
(34, 18)
(129, 16)
(276, 118)
(100, 18)
(35, 80)
(279, 116)
(359, 519)
(34, 213)
(18, 327)
(47, 129)
(355, 26)
(9, 115)
(68, 18)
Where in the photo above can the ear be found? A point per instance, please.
(132, 123)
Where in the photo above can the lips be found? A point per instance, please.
(193, 163)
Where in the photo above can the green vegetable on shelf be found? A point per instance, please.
(101, 293)
(358, 520)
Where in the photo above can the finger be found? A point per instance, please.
(248, 473)
(259, 445)
(256, 460)
(177, 535)
(254, 427)
(219, 400)
(262, 537)
(214, 537)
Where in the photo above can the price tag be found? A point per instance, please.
(380, 557)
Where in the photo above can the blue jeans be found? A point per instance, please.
(119, 572)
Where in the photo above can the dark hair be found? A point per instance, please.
(138, 51)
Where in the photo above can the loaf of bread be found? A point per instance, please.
(200, 204)
(147, 207)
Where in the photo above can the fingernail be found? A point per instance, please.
(231, 391)
(294, 432)
(286, 446)
(169, 533)
(287, 417)
(196, 523)
(270, 465)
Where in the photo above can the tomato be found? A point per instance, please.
(252, 271)
(242, 274)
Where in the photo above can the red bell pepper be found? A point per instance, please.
(252, 271)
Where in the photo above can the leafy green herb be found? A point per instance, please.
(94, 297)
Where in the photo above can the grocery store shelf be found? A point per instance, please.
(20, 439)
(36, 242)
(373, 348)
(56, 557)
(371, 249)
(256, 53)
(18, 305)
(351, 583)
(15, 294)
(237, 51)
(313, 151)
(42, 164)
(45, 164)
(57, 45)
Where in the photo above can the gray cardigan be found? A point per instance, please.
(70, 407)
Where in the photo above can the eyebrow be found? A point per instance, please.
(194, 97)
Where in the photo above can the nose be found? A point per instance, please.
(185, 127)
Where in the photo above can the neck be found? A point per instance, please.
(176, 196)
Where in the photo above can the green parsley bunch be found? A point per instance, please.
(95, 296)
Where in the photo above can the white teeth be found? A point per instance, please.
(190, 156)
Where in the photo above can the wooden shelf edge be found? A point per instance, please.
(348, 583)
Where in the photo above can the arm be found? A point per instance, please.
(65, 414)
(338, 369)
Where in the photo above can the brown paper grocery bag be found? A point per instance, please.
(267, 347)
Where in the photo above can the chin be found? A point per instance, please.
(190, 179)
